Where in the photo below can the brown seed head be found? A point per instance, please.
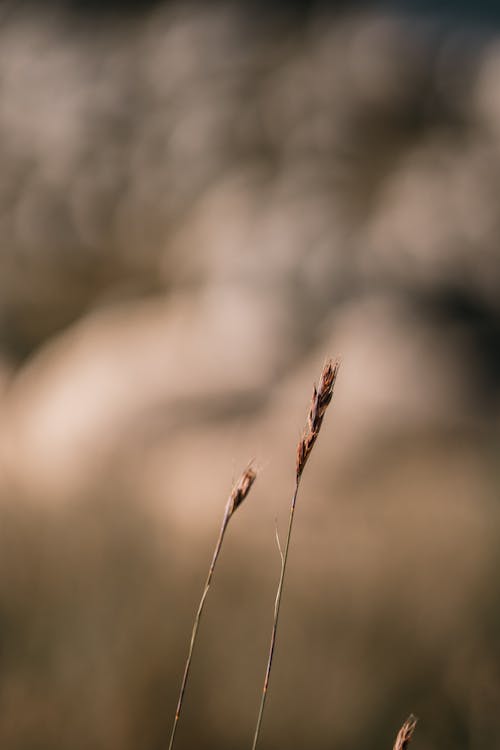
(240, 490)
(406, 733)
(322, 395)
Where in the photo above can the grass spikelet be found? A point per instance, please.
(319, 404)
(239, 492)
(237, 496)
(405, 733)
(322, 395)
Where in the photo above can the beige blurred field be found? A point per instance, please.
(198, 205)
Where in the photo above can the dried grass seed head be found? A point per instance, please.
(241, 490)
(322, 395)
(406, 733)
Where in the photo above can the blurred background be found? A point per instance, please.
(200, 202)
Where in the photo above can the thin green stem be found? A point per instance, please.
(194, 633)
(277, 605)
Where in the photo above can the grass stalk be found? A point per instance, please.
(320, 401)
(238, 494)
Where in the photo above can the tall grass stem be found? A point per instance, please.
(238, 494)
(322, 395)
(277, 605)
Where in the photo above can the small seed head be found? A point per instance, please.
(406, 733)
(240, 490)
(322, 395)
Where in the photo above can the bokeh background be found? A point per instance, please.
(199, 203)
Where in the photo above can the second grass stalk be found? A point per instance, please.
(238, 494)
